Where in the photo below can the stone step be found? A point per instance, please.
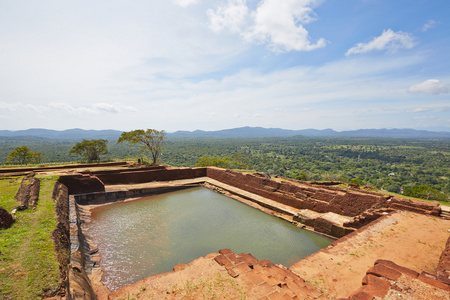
(269, 280)
(445, 212)
(445, 215)
(445, 208)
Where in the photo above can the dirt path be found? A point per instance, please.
(410, 240)
(203, 278)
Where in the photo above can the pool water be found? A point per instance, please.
(151, 235)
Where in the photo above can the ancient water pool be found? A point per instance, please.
(151, 235)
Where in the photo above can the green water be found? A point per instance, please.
(151, 235)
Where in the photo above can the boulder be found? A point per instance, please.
(6, 219)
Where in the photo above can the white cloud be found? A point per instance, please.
(92, 109)
(185, 3)
(430, 24)
(280, 23)
(112, 108)
(230, 16)
(276, 22)
(425, 118)
(71, 109)
(388, 40)
(419, 110)
(430, 86)
(106, 107)
(20, 106)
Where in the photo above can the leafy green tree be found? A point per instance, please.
(302, 175)
(151, 140)
(240, 162)
(357, 181)
(237, 162)
(90, 149)
(38, 157)
(393, 188)
(208, 161)
(425, 192)
(23, 155)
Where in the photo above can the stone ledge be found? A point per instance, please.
(383, 277)
(269, 281)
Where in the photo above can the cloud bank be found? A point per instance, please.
(278, 23)
(430, 86)
(388, 40)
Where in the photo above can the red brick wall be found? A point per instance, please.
(81, 184)
(138, 176)
(318, 198)
(417, 206)
(443, 268)
(314, 197)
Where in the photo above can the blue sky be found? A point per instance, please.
(210, 65)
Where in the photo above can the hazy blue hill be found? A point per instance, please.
(246, 132)
(394, 133)
(249, 132)
(70, 134)
(24, 138)
(241, 132)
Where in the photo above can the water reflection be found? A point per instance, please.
(151, 235)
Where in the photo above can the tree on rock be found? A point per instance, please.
(235, 162)
(90, 149)
(150, 139)
(23, 155)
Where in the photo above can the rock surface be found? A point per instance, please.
(6, 219)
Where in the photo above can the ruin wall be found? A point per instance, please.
(318, 198)
(82, 183)
(61, 235)
(142, 176)
(321, 199)
(107, 197)
(443, 268)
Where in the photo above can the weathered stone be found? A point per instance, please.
(381, 270)
(394, 266)
(6, 219)
(225, 251)
(78, 184)
(443, 268)
(264, 289)
(241, 268)
(432, 280)
(232, 273)
(277, 296)
(361, 295)
(376, 286)
(179, 267)
(222, 260)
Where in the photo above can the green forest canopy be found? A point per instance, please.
(384, 163)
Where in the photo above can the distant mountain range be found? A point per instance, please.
(242, 132)
(247, 132)
(69, 134)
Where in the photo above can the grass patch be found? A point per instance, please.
(28, 264)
